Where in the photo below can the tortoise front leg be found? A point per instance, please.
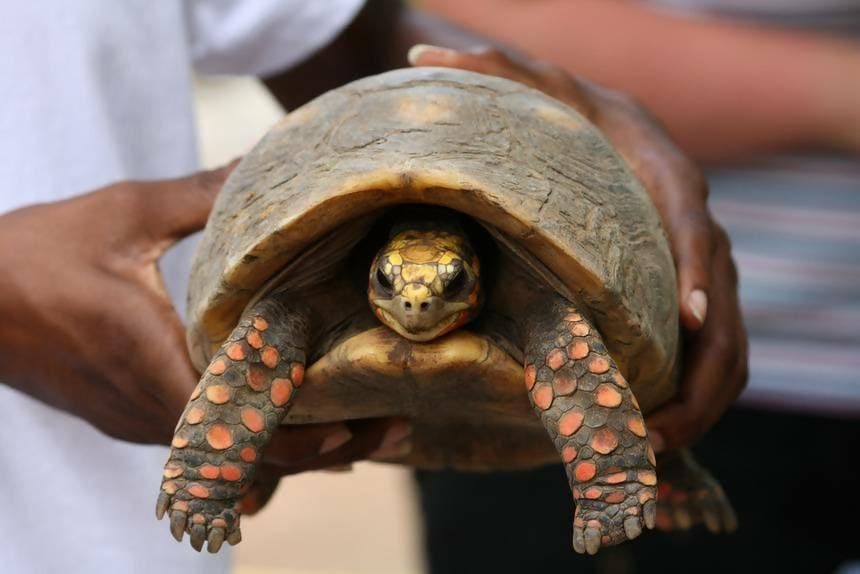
(596, 425)
(240, 400)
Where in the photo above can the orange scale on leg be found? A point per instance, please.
(170, 487)
(260, 323)
(209, 471)
(217, 367)
(568, 454)
(236, 351)
(531, 376)
(198, 491)
(556, 359)
(585, 471)
(598, 365)
(616, 478)
(219, 437)
(256, 378)
(619, 380)
(195, 415)
(636, 426)
(254, 339)
(563, 384)
(578, 329)
(218, 394)
(297, 374)
(578, 350)
(179, 441)
(270, 357)
(172, 470)
(253, 419)
(604, 441)
(615, 497)
(218, 523)
(649, 452)
(248, 454)
(647, 477)
(570, 422)
(593, 493)
(607, 396)
(281, 392)
(231, 472)
(542, 396)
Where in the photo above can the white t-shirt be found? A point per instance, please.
(92, 92)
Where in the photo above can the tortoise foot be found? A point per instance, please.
(598, 522)
(689, 495)
(205, 520)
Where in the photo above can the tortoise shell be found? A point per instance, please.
(532, 171)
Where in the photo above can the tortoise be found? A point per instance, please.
(424, 243)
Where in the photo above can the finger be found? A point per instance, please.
(173, 209)
(295, 449)
(159, 367)
(690, 231)
(482, 60)
(715, 371)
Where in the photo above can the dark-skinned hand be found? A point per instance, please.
(88, 327)
(715, 344)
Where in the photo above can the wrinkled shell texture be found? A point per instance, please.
(503, 153)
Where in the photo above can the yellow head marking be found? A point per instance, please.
(424, 284)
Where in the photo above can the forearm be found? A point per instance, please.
(725, 90)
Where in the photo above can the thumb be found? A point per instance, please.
(175, 208)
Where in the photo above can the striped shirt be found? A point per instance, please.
(795, 230)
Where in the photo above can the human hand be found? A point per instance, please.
(716, 356)
(87, 324)
(89, 328)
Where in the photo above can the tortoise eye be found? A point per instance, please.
(456, 283)
(383, 281)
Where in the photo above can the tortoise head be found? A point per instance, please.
(425, 283)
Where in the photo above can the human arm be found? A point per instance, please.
(726, 90)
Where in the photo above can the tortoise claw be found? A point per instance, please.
(178, 520)
(649, 513)
(216, 539)
(161, 505)
(632, 527)
(592, 540)
(198, 536)
(234, 537)
(578, 540)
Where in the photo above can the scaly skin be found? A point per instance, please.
(596, 425)
(241, 399)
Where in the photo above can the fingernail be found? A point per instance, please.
(335, 440)
(393, 451)
(697, 301)
(395, 442)
(656, 440)
(416, 51)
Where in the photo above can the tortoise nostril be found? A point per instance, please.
(425, 305)
(407, 305)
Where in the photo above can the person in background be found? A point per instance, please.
(767, 94)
